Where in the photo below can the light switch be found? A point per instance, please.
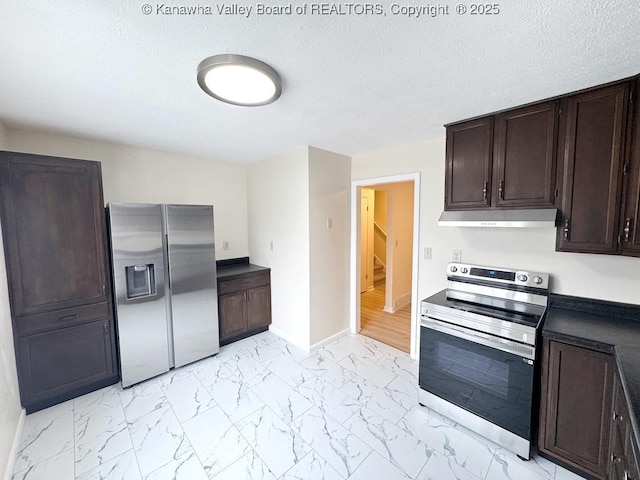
(427, 253)
(329, 223)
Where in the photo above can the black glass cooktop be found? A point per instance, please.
(509, 310)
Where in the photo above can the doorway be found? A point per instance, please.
(384, 254)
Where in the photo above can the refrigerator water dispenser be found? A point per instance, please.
(141, 281)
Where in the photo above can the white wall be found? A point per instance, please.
(380, 214)
(278, 205)
(3, 137)
(138, 175)
(400, 226)
(367, 239)
(329, 185)
(607, 277)
(10, 409)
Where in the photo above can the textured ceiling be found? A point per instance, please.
(351, 83)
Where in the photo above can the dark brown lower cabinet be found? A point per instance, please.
(576, 405)
(244, 306)
(623, 463)
(258, 307)
(64, 362)
(232, 314)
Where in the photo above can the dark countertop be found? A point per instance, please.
(237, 267)
(606, 326)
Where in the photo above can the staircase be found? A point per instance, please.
(379, 272)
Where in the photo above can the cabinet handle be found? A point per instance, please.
(104, 290)
(68, 317)
(615, 459)
(617, 417)
(484, 190)
(105, 327)
(566, 229)
(627, 229)
(501, 190)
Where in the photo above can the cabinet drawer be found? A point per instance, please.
(29, 324)
(243, 283)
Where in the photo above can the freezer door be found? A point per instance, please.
(138, 276)
(192, 282)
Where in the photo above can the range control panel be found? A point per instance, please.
(499, 275)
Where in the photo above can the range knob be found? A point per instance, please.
(537, 280)
(453, 269)
(522, 277)
(464, 270)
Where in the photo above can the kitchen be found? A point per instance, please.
(272, 195)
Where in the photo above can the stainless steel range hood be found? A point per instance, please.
(538, 218)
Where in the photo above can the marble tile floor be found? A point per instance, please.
(263, 409)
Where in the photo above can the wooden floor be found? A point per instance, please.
(391, 328)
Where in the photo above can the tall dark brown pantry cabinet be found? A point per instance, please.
(53, 226)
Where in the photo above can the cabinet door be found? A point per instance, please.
(633, 472)
(619, 431)
(468, 169)
(232, 314)
(53, 225)
(592, 153)
(630, 228)
(258, 307)
(525, 157)
(62, 361)
(576, 421)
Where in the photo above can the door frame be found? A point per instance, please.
(354, 280)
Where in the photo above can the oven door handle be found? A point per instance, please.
(526, 351)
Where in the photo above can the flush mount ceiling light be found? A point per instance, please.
(239, 80)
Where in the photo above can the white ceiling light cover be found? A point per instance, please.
(239, 80)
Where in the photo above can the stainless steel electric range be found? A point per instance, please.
(478, 351)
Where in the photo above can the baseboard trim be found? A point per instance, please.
(317, 346)
(286, 337)
(388, 309)
(402, 301)
(8, 474)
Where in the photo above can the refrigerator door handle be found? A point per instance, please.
(166, 239)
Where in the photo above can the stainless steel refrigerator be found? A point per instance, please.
(165, 287)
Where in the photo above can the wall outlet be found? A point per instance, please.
(329, 223)
(427, 253)
(456, 256)
(225, 245)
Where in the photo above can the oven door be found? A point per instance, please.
(489, 376)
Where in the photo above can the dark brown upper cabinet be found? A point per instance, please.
(54, 233)
(593, 153)
(468, 170)
(503, 161)
(525, 157)
(631, 170)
